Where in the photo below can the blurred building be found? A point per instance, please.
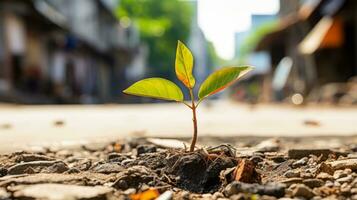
(63, 51)
(198, 44)
(313, 50)
(257, 20)
(251, 89)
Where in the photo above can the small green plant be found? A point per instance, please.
(167, 90)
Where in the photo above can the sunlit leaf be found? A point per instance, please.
(184, 65)
(221, 79)
(156, 88)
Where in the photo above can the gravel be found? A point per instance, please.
(271, 169)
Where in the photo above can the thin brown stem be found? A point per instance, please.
(186, 104)
(194, 120)
(198, 103)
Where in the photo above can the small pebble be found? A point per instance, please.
(130, 191)
(302, 190)
(324, 176)
(167, 195)
(354, 191)
(312, 183)
(300, 162)
(329, 184)
(339, 174)
(346, 179)
(217, 195)
(291, 174)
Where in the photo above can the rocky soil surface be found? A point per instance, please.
(143, 169)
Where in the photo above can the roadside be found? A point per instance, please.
(24, 126)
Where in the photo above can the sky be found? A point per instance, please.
(220, 19)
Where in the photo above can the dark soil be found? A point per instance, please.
(263, 169)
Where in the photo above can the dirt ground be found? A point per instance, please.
(150, 168)
(132, 152)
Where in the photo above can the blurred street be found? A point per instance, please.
(27, 126)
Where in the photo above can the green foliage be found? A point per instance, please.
(221, 79)
(158, 88)
(164, 89)
(161, 23)
(184, 65)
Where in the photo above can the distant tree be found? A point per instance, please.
(161, 23)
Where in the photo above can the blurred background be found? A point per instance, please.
(88, 51)
(83, 53)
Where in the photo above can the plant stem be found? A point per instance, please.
(194, 120)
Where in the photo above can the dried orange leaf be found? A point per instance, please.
(245, 172)
(149, 194)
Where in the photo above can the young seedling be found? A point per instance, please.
(160, 88)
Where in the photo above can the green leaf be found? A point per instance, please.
(184, 65)
(158, 88)
(221, 79)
